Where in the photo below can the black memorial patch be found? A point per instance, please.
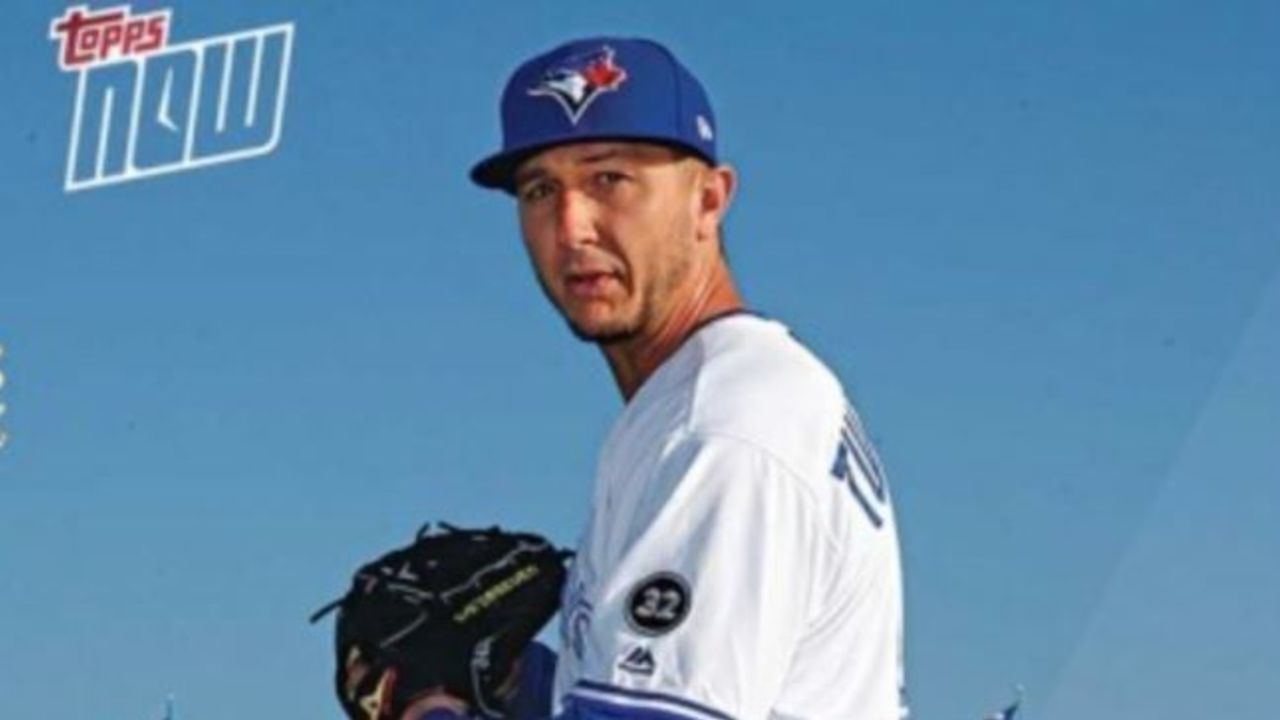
(658, 603)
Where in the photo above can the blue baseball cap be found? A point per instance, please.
(601, 88)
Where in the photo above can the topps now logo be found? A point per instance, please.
(145, 107)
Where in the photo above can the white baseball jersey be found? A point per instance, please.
(741, 560)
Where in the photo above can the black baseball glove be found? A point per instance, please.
(452, 611)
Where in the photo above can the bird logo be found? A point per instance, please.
(578, 82)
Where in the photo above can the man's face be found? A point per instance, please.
(610, 228)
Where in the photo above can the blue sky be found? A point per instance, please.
(1039, 242)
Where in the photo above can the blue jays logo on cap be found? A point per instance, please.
(581, 79)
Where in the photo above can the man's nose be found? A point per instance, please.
(576, 215)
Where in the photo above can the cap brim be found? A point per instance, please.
(497, 172)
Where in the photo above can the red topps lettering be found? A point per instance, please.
(155, 34)
(80, 32)
(90, 37)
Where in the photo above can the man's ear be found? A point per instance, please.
(716, 186)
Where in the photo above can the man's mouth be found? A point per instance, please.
(589, 284)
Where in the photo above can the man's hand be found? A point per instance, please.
(436, 706)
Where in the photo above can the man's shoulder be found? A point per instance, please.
(762, 358)
(757, 382)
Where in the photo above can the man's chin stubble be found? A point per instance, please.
(603, 338)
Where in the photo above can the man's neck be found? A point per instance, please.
(634, 360)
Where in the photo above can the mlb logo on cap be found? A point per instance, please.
(602, 88)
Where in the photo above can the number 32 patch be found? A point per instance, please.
(658, 603)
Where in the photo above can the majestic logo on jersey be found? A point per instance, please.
(658, 603)
(580, 81)
(638, 661)
(145, 107)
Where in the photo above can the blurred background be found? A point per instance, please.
(1038, 241)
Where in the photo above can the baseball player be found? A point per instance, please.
(741, 558)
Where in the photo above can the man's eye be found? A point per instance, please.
(536, 191)
(609, 177)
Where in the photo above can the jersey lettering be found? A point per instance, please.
(867, 485)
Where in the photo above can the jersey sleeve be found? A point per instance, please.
(712, 593)
(536, 675)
